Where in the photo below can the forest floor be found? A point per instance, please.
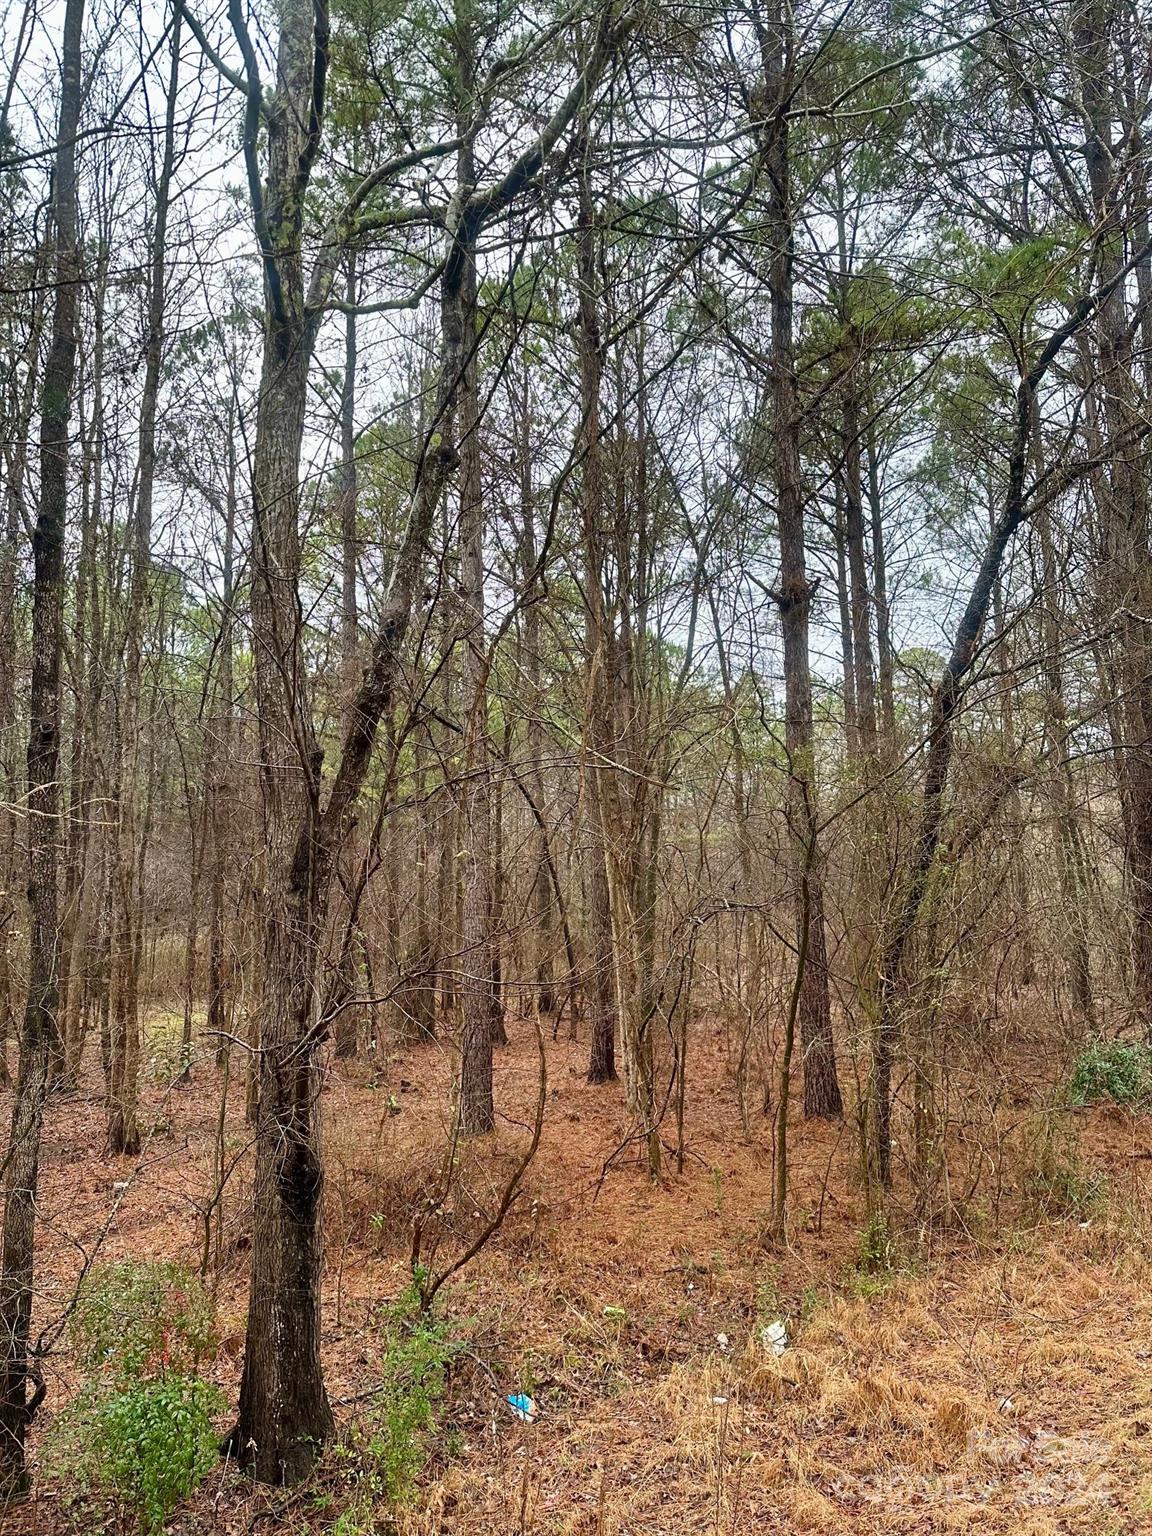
(998, 1379)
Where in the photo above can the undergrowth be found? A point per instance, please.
(140, 1430)
(1120, 1070)
(1056, 1183)
(389, 1445)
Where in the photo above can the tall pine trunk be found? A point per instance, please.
(794, 597)
(1123, 502)
(39, 1033)
(477, 1115)
(598, 706)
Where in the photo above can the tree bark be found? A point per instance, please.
(1122, 493)
(598, 706)
(477, 1114)
(39, 1033)
(543, 898)
(885, 657)
(794, 598)
(347, 1028)
(859, 596)
(218, 759)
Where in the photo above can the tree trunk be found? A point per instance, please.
(39, 1033)
(477, 1115)
(1074, 885)
(598, 707)
(1122, 494)
(123, 1131)
(847, 655)
(86, 681)
(416, 999)
(197, 830)
(859, 598)
(218, 761)
(347, 1028)
(18, 430)
(794, 599)
(284, 1412)
(886, 660)
(543, 899)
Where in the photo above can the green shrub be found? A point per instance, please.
(151, 1444)
(141, 1428)
(389, 1447)
(133, 1320)
(1120, 1070)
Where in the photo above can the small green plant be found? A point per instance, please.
(877, 1250)
(1120, 1070)
(1056, 1183)
(352, 1522)
(389, 1447)
(812, 1299)
(881, 1259)
(141, 1428)
(769, 1301)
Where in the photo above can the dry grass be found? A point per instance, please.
(999, 1398)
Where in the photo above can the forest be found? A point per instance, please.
(576, 767)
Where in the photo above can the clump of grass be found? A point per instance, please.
(877, 1249)
(883, 1259)
(812, 1299)
(1055, 1180)
(1120, 1070)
